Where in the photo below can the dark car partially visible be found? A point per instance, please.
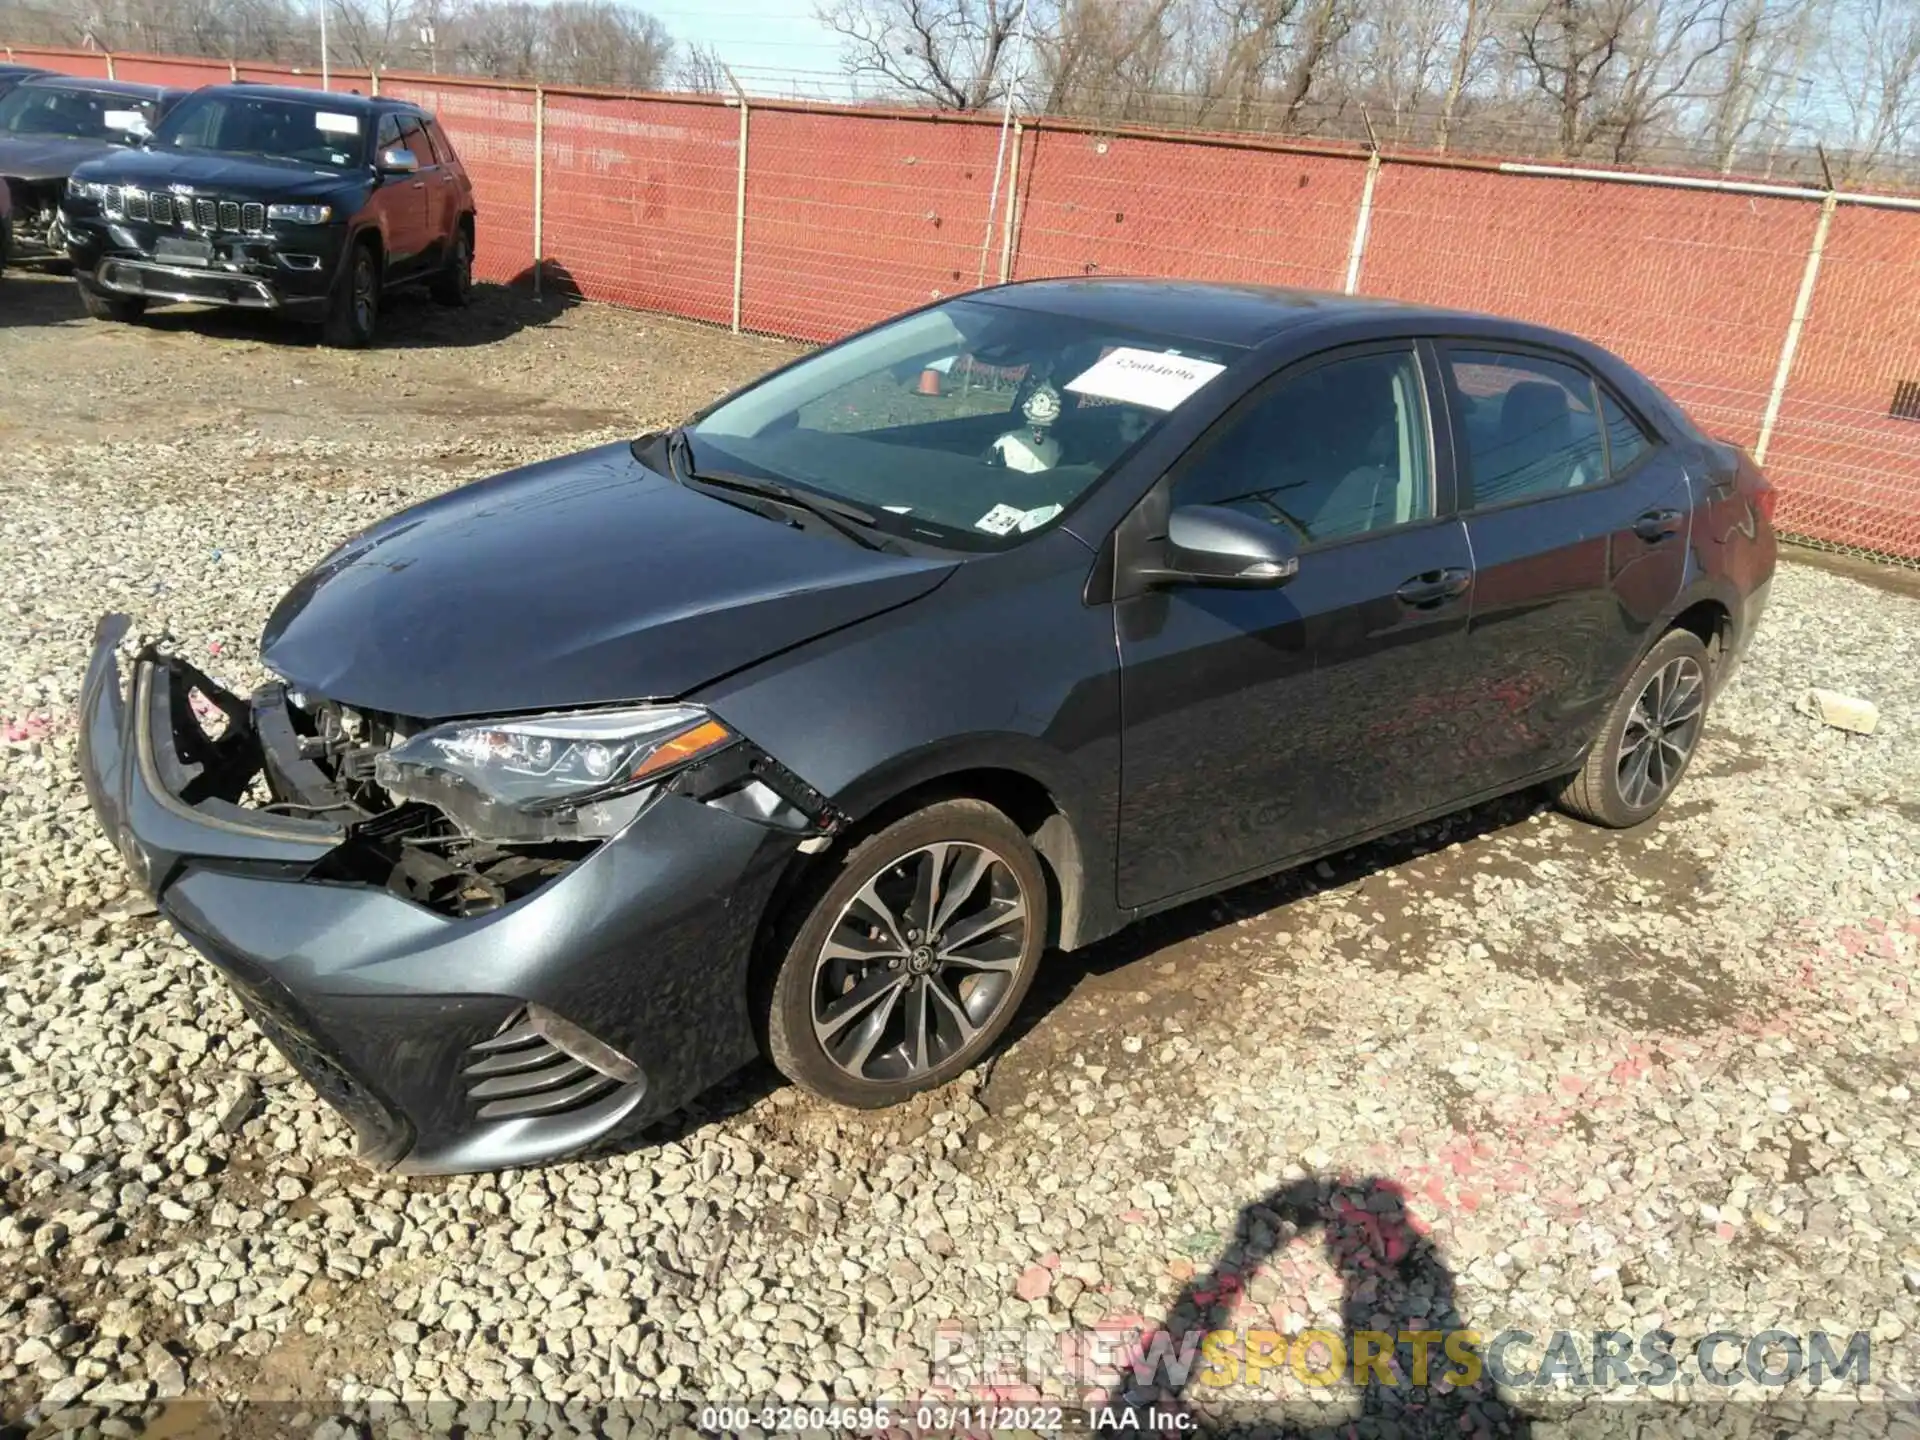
(51, 123)
(12, 75)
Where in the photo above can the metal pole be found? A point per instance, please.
(373, 78)
(1802, 303)
(1013, 205)
(539, 178)
(110, 74)
(1357, 252)
(739, 201)
(993, 197)
(326, 78)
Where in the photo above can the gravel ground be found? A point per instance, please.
(1506, 1070)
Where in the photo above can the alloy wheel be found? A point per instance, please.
(919, 961)
(363, 294)
(1660, 732)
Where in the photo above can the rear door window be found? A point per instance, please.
(1627, 440)
(1528, 427)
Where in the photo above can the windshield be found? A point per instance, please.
(73, 112)
(968, 425)
(267, 126)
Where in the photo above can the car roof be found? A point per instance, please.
(343, 101)
(48, 80)
(1231, 313)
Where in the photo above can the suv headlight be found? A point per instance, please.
(86, 189)
(548, 777)
(301, 214)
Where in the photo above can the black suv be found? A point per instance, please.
(306, 202)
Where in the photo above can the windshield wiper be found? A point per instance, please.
(848, 520)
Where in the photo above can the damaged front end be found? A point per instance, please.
(486, 943)
(420, 810)
(36, 218)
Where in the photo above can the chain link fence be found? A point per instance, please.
(1786, 319)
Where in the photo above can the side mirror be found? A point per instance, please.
(398, 160)
(1213, 545)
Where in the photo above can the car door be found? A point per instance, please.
(435, 178)
(1261, 725)
(1577, 517)
(401, 201)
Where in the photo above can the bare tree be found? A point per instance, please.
(701, 71)
(949, 53)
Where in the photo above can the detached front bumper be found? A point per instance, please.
(411, 1023)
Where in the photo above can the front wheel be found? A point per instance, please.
(913, 959)
(1648, 737)
(354, 309)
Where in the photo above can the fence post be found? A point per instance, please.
(233, 71)
(1013, 204)
(110, 74)
(739, 199)
(1802, 303)
(1357, 252)
(373, 79)
(539, 178)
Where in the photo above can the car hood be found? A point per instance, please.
(581, 581)
(39, 157)
(249, 176)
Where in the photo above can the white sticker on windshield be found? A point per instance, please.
(1000, 520)
(1034, 519)
(332, 122)
(1154, 378)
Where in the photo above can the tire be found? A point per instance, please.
(353, 311)
(103, 305)
(1648, 738)
(454, 284)
(961, 997)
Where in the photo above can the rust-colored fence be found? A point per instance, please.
(1785, 319)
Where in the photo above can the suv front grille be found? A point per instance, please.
(158, 207)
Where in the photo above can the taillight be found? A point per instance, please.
(1764, 496)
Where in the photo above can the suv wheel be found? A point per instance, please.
(454, 284)
(1648, 737)
(912, 961)
(104, 305)
(355, 307)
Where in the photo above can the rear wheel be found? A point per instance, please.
(1648, 737)
(104, 305)
(454, 284)
(354, 309)
(912, 960)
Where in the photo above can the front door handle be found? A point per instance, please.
(1433, 588)
(1656, 525)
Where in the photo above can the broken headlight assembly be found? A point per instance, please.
(580, 775)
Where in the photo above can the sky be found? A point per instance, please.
(772, 45)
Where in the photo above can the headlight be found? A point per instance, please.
(548, 777)
(86, 189)
(301, 214)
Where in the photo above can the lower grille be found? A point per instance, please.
(521, 1072)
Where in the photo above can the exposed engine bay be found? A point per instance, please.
(281, 753)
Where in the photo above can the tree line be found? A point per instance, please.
(1757, 86)
(1788, 88)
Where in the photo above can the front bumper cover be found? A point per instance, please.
(388, 1008)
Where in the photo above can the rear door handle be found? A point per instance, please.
(1657, 525)
(1433, 588)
